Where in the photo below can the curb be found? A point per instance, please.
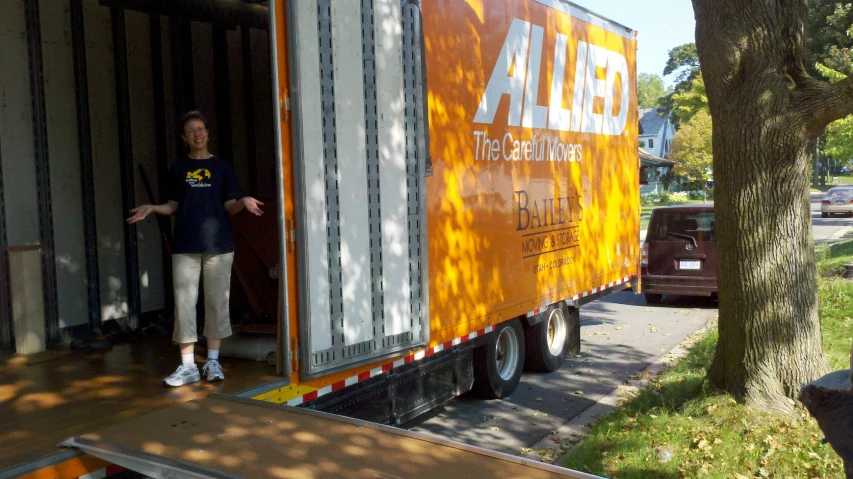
(571, 432)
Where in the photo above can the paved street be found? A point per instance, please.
(621, 336)
(825, 229)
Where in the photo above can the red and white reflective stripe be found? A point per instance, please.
(587, 293)
(102, 473)
(386, 367)
(429, 352)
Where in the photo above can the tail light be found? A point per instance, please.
(827, 202)
(645, 260)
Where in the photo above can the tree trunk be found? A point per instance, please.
(766, 113)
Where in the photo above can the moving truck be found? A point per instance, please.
(456, 178)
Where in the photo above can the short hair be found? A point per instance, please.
(190, 116)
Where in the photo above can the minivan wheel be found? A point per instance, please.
(548, 341)
(824, 215)
(652, 298)
(498, 364)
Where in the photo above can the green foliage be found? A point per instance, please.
(839, 134)
(665, 197)
(686, 104)
(650, 89)
(830, 35)
(707, 432)
(684, 61)
(692, 151)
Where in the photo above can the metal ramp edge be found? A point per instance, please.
(150, 465)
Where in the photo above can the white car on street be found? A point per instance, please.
(837, 201)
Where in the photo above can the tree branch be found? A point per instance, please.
(819, 103)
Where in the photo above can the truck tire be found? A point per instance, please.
(498, 364)
(652, 298)
(548, 341)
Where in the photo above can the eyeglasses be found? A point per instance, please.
(197, 131)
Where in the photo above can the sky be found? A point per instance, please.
(660, 24)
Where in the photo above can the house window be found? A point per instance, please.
(651, 143)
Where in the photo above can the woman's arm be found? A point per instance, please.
(235, 206)
(140, 213)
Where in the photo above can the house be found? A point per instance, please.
(656, 132)
(651, 169)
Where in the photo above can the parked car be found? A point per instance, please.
(680, 253)
(838, 200)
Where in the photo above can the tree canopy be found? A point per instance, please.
(684, 62)
(650, 90)
(830, 36)
(691, 150)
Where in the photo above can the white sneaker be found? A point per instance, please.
(213, 370)
(183, 376)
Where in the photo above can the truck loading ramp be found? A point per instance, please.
(227, 437)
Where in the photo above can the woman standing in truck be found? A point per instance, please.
(203, 192)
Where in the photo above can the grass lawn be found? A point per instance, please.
(706, 432)
(842, 180)
(646, 211)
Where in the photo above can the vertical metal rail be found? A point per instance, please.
(125, 148)
(42, 163)
(249, 107)
(87, 173)
(5, 291)
(284, 299)
(222, 93)
(155, 30)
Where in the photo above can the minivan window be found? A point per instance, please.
(699, 226)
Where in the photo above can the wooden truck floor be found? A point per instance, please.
(47, 399)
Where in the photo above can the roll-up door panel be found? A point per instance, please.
(361, 170)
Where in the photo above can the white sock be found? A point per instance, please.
(188, 360)
(213, 354)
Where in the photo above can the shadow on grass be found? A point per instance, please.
(614, 449)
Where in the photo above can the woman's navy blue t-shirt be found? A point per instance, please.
(201, 188)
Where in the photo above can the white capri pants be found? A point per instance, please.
(186, 270)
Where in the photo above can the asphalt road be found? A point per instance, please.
(826, 229)
(621, 337)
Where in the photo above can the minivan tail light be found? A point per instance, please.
(825, 202)
(645, 259)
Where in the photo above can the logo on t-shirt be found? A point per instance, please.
(199, 178)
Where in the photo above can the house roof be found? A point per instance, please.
(651, 122)
(648, 159)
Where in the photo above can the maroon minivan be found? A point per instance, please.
(679, 254)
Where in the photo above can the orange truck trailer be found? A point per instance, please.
(457, 177)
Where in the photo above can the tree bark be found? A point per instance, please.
(767, 113)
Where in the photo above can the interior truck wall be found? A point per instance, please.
(205, 95)
(144, 142)
(64, 158)
(16, 128)
(108, 200)
(238, 109)
(262, 88)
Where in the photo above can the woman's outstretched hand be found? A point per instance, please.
(140, 213)
(252, 205)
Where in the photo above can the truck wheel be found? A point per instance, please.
(548, 341)
(498, 364)
(653, 298)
